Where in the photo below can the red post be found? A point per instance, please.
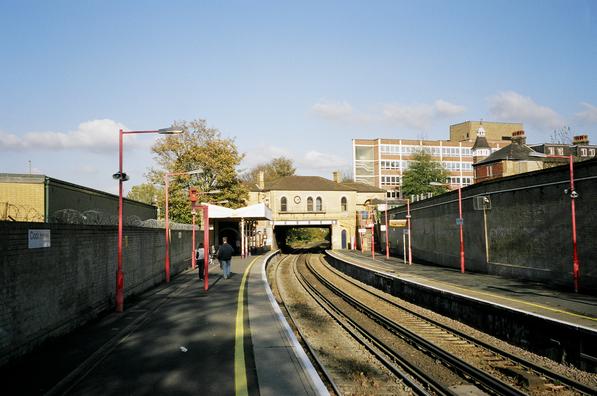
(461, 233)
(410, 252)
(387, 231)
(193, 258)
(206, 246)
(373, 241)
(167, 262)
(119, 273)
(576, 264)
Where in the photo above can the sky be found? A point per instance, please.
(299, 79)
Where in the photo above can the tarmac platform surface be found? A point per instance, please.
(178, 339)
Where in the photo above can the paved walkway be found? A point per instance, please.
(177, 339)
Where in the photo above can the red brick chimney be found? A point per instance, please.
(519, 137)
(580, 139)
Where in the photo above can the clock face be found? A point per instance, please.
(297, 199)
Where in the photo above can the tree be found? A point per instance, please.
(147, 192)
(562, 135)
(422, 171)
(278, 167)
(198, 147)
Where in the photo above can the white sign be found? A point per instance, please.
(362, 230)
(382, 227)
(381, 207)
(39, 239)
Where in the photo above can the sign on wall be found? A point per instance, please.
(39, 239)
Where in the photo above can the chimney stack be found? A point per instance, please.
(336, 176)
(580, 139)
(261, 180)
(518, 137)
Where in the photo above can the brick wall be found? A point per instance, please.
(47, 292)
(528, 227)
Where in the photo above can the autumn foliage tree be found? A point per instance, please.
(198, 147)
(422, 171)
(278, 167)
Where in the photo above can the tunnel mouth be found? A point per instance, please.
(303, 238)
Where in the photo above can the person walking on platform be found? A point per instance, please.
(199, 259)
(225, 256)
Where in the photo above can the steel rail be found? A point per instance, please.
(360, 335)
(312, 352)
(517, 359)
(487, 381)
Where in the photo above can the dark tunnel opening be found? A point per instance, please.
(312, 238)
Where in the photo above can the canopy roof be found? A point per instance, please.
(253, 212)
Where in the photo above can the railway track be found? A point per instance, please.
(427, 356)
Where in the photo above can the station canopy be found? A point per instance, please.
(253, 212)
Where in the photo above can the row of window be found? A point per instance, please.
(584, 152)
(456, 165)
(318, 204)
(433, 150)
(466, 180)
(449, 165)
(391, 180)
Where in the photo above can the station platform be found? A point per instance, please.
(178, 339)
(558, 324)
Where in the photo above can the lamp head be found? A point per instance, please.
(169, 131)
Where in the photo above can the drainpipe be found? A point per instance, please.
(46, 199)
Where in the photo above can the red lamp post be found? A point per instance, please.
(573, 196)
(387, 231)
(167, 223)
(122, 177)
(460, 221)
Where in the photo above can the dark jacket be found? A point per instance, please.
(225, 252)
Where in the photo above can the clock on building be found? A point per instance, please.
(297, 199)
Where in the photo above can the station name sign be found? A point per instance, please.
(397, 223)
(39, 239)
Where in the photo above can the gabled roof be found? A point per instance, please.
(304, 183)
(512, 152)
(314, 183)
(363, 187)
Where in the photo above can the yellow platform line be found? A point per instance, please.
(240, 372)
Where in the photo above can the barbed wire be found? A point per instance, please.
(12, 212)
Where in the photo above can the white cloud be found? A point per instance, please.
(333, 110)
(317, 160)
(262, 154)
(417, 116)
(512, 107)
(448, 109)
(95, 136)
(589, 114)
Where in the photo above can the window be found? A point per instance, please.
(309, 204)
(583, 152)
(343, 204)
(318, 205)
(592, 152)
(283, 204)
(550, 151)
(560, 150)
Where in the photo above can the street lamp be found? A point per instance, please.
(459, 221)
(573, 196)
(167, 226)
(122, 177)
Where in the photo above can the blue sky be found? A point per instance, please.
(299, 79)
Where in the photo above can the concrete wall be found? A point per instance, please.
(526, 234)
(47, 292)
